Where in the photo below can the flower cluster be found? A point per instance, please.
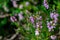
(32, 18)
(45, 4)
(54, 16)
(50, 26)
(52, 23)
(38, 25)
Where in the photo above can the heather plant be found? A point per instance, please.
(30, 20)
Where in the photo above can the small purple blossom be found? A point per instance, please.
(41, 27)
(53, 37)
(49, 26)
(37, 25)
(13, 19)
(51, 15)
(20, 16)
(27, 3)
(21, 6)
(32, 19)
(45, 1)
(14, 4)
(40, 17)
(54, 16)
(36, 32)
(45, 4)
(52, 23)
(55, 21)
(40, 24)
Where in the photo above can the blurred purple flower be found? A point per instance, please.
(21, 6)
(51, 15)
(54, 16)
(52, 24)
(32, 19)
(14, 4)
(40, 24)
(45, 4)
(40, 17)
(27, 3)
(36, 32)
(41, 27)
(20, 16)
(13, 19)
(37, 25)
(55, 21)
(50, 27)
(53, 37)
(45, 1)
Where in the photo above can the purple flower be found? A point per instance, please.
(14, 4)
(45, 4)
(36, 32)
(40, 17)
(37, 25)
(50, 27)
(31, 19)
(45, 1)
(41, 27)
(48, 23)
(51, 15)
(13, 19)
(21, 6)
(53, 37)
(54, 16)
(27, 3)
(40, 24)
(20, 16)
(55, 21)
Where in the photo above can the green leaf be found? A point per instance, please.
(3, 22)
